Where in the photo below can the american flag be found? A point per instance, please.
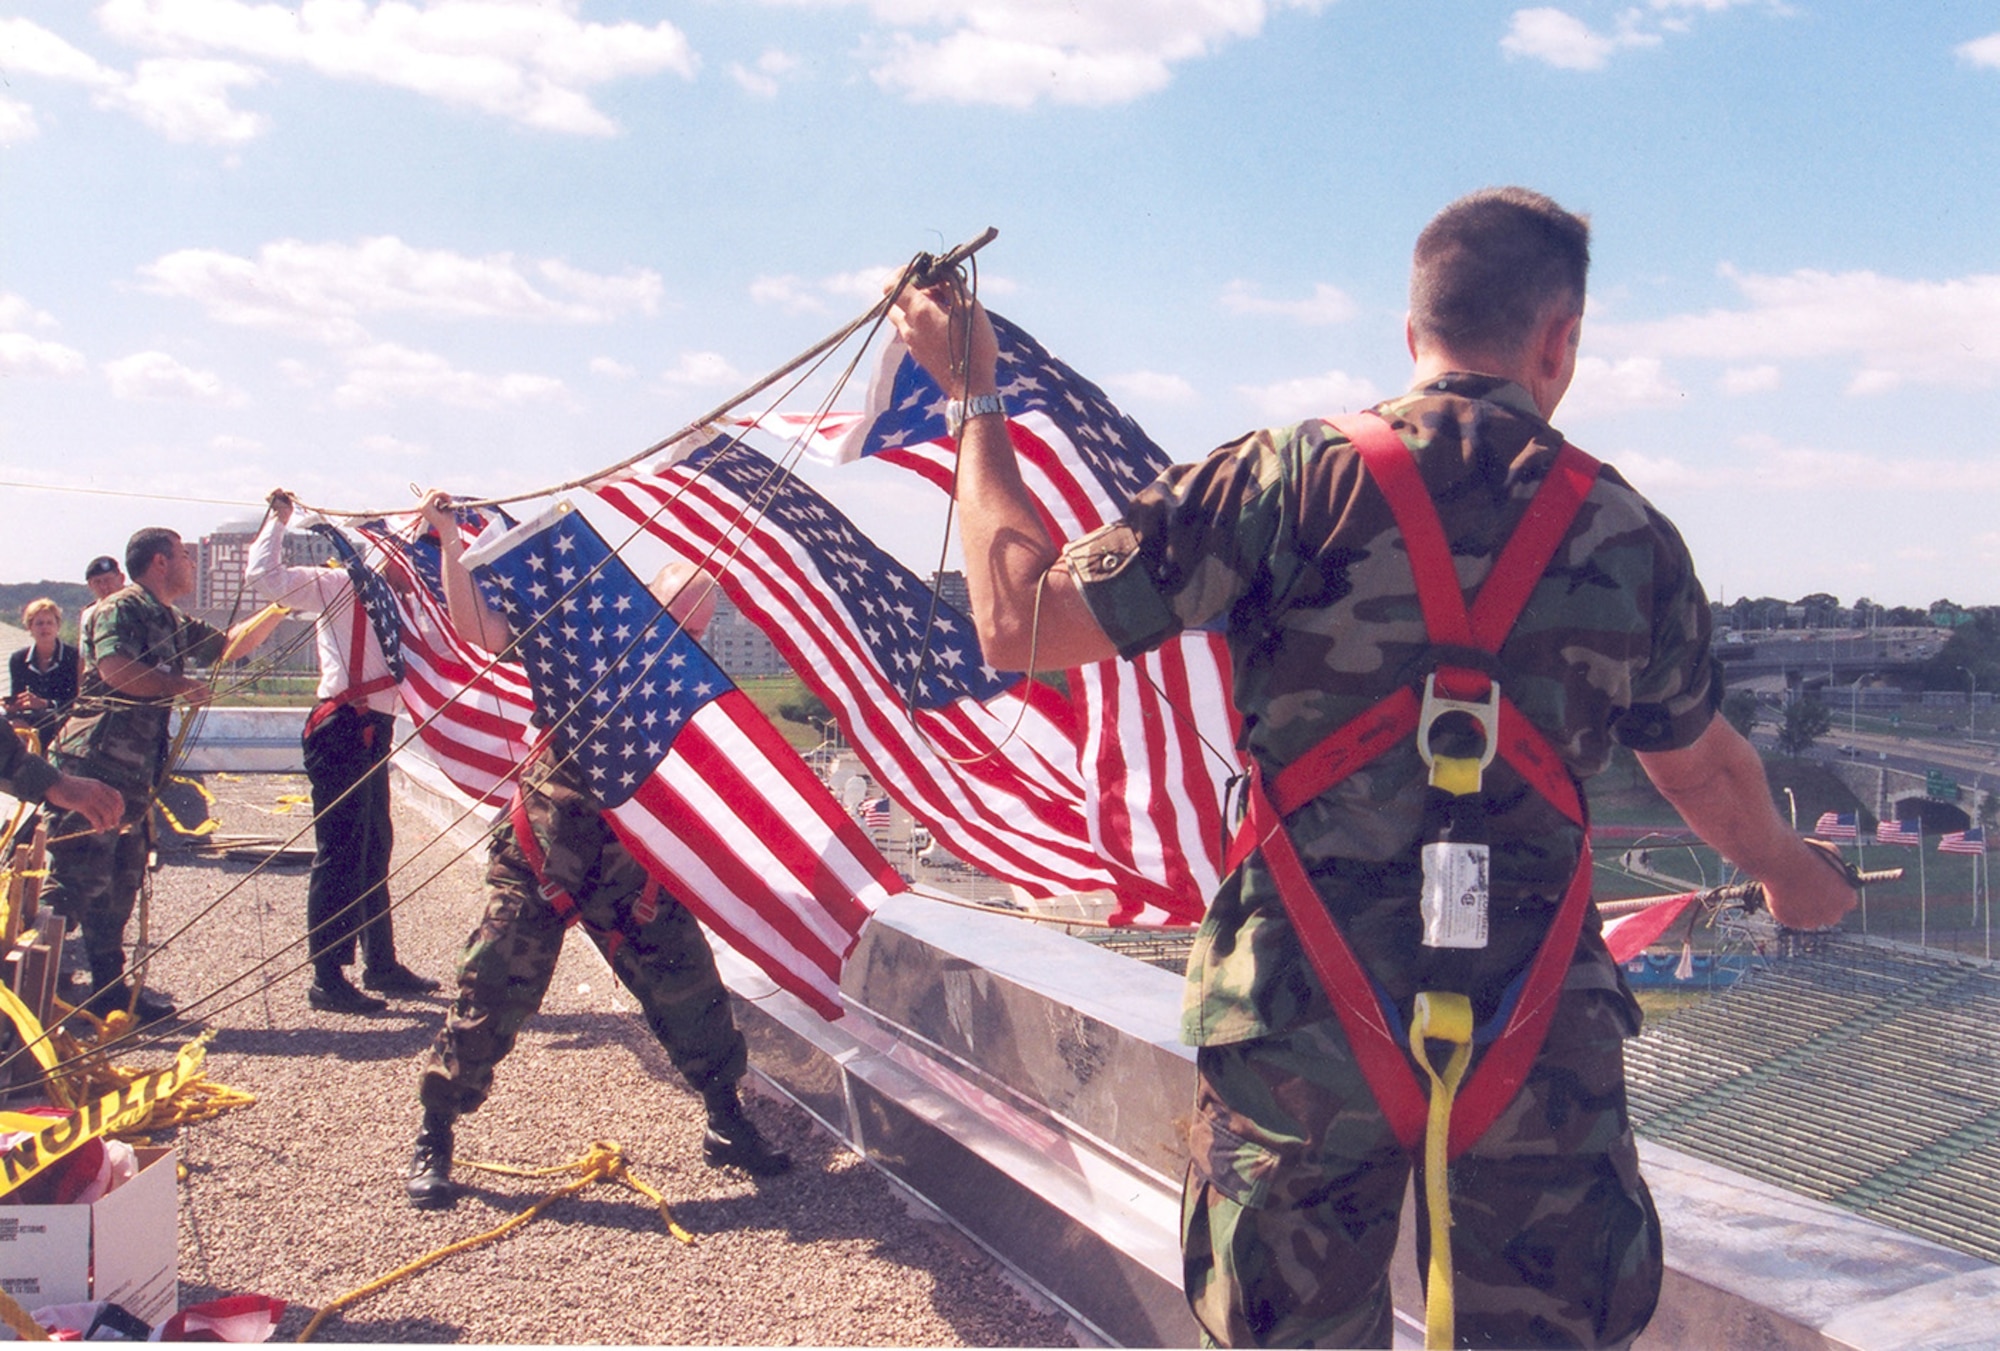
(1159, 732)
(694, 779)
(1972, 841)
(1837, 826)
(986, 759)
(377, 600)
(1900, 832)
(875, 813)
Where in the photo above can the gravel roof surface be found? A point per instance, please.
(300, 1197)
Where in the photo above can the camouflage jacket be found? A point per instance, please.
(1274, 541)
(118, 737)
(22, 773)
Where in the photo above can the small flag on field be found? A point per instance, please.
(875, 813)
(1971, 841)
(1900, 832)
(1837, 826)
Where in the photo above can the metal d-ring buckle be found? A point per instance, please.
(1485, 712)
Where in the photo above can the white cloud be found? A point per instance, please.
(383, 445)
(701, 370)
(533, 63)
(611, 369)
(1566, 42)
(1152, 387)
(321, 290)
(1982, 51)
(17, 122)
(1603, 387)
(762, 78)
(21, 354)
(389, 373)
(156, 376)
(1889, 330)
(1762, 463)
(1312, 396)
(792, 294)
(29, 49)
(188, 100)
(16, 312)
(1016, 53)
(1326, 305)
(1560, 39)
(1739, 380)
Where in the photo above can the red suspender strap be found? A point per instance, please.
(357, 690)
(531, 848)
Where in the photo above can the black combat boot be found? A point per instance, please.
(429, 1186)
(733, 1139)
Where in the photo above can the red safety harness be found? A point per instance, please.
(644, 910)
(1514, 1035)
(358, 690)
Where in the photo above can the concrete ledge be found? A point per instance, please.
(1031, 1089)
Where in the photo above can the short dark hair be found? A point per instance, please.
(100, 565)
(1488, 266)
(146, 545)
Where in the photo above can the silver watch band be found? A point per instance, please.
(956, 412)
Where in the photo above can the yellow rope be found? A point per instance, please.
(1442, 1016)
(603, 1162)
(24, 1324)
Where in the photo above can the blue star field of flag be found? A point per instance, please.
(613, 673)
(376, 598)
(924, 644)
(1111, 445)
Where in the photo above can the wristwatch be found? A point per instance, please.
(956, 412)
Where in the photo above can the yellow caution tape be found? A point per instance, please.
(287, 801)
(604, 1162)
(1440, 1015)
(208, 826)
(121, 1109)
(29, 1027)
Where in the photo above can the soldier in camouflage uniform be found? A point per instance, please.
(136, 651)
(1295, 1180)
(27, 776)
(654, 944)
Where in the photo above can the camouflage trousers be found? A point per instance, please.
(654, 945)
(1295, 1187)
(94, 882)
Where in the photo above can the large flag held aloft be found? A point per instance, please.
(705, 793)
(985, 759)
(1159, 731)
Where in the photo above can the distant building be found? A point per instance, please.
(951, 589)
(220, 556)
(738, 646)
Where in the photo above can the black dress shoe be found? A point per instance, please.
(338, 996)
(399, 979)
(117, 998)
(153, 1008)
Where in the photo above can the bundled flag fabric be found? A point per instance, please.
(1971, 841)
(986, 759)
(378, 602)
(1159, 732)
(1629, 935)
(695, 781)
(1837, 826)
(1900, 832)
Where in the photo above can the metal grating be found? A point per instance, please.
(1859, 1072)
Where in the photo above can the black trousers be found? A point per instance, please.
(347, 761)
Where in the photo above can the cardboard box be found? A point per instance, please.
(132, 1235)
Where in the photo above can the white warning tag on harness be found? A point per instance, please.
(1454, 897)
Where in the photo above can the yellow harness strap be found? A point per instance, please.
(1440, 1015)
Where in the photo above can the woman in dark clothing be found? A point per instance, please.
(43, 674)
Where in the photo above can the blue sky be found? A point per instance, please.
(348, 246)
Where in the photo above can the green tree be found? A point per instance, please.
(1739, 710)
(1806, 721)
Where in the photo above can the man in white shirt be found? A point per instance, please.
(348, 737)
